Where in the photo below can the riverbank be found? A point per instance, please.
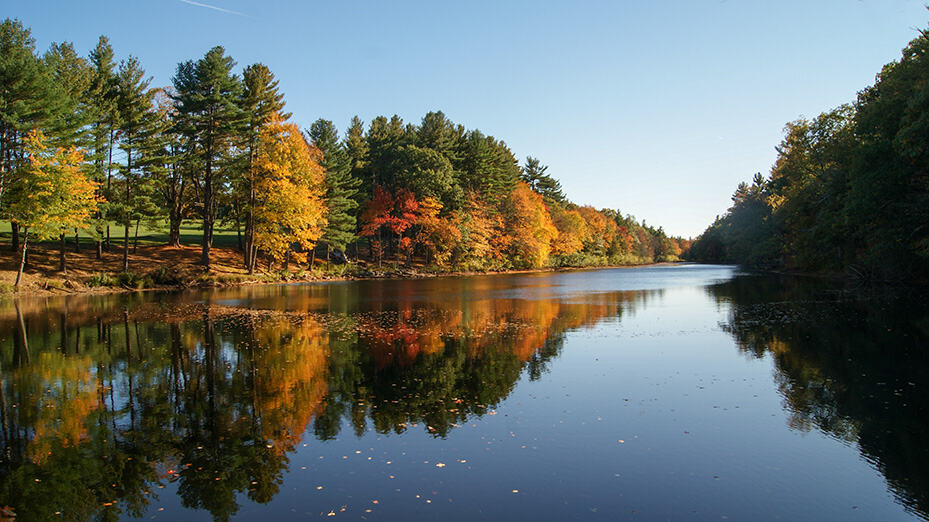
(173, 268)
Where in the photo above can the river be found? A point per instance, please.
(685, 392)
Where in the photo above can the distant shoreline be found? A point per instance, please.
(48, 283)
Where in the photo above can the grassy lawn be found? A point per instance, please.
(191, 234)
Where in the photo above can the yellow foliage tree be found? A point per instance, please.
(439, 234)
(530, 227)
(290, 209)
(572, 230)
(601, 230)
(53, 196)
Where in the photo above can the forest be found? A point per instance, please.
(90, 149)
(849, 190)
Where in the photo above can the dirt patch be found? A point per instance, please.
(42, 275)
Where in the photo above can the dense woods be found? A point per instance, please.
(218, 148)
(849, 191)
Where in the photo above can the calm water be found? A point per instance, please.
(663, 393)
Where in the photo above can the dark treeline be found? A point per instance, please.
(87, 143)
(849, 190)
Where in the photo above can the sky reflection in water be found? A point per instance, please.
(642, 394)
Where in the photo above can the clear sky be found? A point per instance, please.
(657, 108)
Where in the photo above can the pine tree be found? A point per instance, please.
(260, 99)
(101, 98)
(207, 99)
(26, 103)
(341, 186)
(533, 174)
(134, 102)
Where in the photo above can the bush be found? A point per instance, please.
(99, 279)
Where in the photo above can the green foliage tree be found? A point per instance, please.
(341, 186)
(136, 124)
(52, 196)
(209, 115)
(103, 116)
(26, 102)
(533, 174)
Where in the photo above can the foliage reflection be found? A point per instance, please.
(104, 406)
(849, 363)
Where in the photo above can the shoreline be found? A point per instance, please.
(53, 287)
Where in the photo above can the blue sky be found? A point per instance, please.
(657, 108)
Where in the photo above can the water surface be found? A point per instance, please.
(681, 392)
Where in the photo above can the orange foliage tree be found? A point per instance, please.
(390, 213)
(530, 226)
(572, 230)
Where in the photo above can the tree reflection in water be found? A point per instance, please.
(104, 402)
(851, 363)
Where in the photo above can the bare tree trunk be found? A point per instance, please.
(22, 259)
(135, 242)
(62, 266)
(238, 234)
(77, 240)
(14, 237)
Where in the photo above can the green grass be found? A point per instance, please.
(191, 234)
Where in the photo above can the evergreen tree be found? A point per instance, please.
(70, 75)
(26, 103)
(533, 173)
(260, 99)
(133, 103)
(207, 99)
(101, 98)
(341, 186)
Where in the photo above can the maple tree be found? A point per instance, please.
(290, 209)
(53, 195)
(530, 225)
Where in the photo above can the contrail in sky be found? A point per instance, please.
(198, 4)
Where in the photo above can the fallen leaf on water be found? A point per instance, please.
(621, 441)
(440, 465)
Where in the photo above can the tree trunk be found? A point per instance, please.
(312, 257)
(62, 266)
(77, 241)
(22, 259)
(174, 233)
(238, 234)
(109, 177)
(207, 213)
(128, 216)
(14, 236)
(327, 257)
(135, 241)
(100, 248)
(126, 246)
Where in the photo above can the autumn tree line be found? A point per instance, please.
(88, 146)
(849, 190)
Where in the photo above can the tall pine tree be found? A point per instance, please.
(341, 186)
(260, 99)
(207, 100)
(134, 103)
